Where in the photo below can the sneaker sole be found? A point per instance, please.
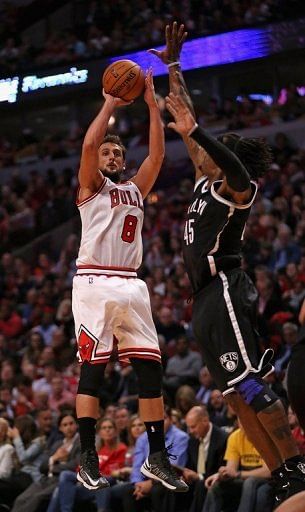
(147, 473)
(88, 486)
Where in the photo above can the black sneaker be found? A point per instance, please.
(157, 467)
(289, 480)
(88, 473)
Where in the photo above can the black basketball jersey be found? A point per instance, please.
(213, 232)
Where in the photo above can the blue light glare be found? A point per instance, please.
(236, 46)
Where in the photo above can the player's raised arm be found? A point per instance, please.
(175, 36)
(150, 168)
(237, 182)
(89, 176)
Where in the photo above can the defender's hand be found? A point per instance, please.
(174, 38)
(184, 120)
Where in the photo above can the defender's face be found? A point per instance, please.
(111, 160)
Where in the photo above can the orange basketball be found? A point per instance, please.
(124, 79)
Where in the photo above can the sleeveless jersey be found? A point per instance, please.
(213, 232)
(112, 221)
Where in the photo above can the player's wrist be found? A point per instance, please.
(173, 64)
(194, 127)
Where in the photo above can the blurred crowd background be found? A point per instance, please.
(101, 28)
(40, 232)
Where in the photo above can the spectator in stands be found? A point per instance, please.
(111, 458)
(6, 452)
(286, 250)
(128, 389)
(141, 492)
(63, 351)
(205, 453)
(24, 403)
(110, 411)
(243, 482)
(112, 380)
(167, 326)
(290, 335)
(60, 395)
(122, 418)
(8, 373)
(10, 320)
(29, 449)
(206, 386)
(185, 399)
(47, 328)
(44, 384)
(33, 346)
(62, 456)
(218, 410)
(45, 424)
(6, 398)
(182, 368)
(135, 429)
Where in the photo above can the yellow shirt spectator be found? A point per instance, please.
(242, 451)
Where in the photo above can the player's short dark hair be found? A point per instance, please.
(115, 139)
(254, 153)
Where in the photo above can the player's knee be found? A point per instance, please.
(149, 375)
(256, 393)
(91, 379)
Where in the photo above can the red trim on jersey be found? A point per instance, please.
(80, 203)
(137, 349)
(98, 267)
(97, 361)
(124, 359)
(105, 275)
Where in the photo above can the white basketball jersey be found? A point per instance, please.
(112, 221)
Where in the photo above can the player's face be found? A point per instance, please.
(111, 160)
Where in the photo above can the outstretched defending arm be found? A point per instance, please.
(170, 55)
(150, 168)
(237, 182)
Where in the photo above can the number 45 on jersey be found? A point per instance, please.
(189, 232)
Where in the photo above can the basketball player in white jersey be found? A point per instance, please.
(108, 298)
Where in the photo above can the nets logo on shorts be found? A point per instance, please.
(229, 361)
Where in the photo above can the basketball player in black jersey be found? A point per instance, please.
(227, 171)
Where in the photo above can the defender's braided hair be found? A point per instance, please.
(254, 153)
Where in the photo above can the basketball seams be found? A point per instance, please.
(125, 87)
(126, 72)
(134, 84)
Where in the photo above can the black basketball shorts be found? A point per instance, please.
(224, 325)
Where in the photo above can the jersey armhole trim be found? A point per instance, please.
(221, 199)
(81, 203)
(200, 180)
(131, 181)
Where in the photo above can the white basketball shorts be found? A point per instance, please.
(107, 306)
